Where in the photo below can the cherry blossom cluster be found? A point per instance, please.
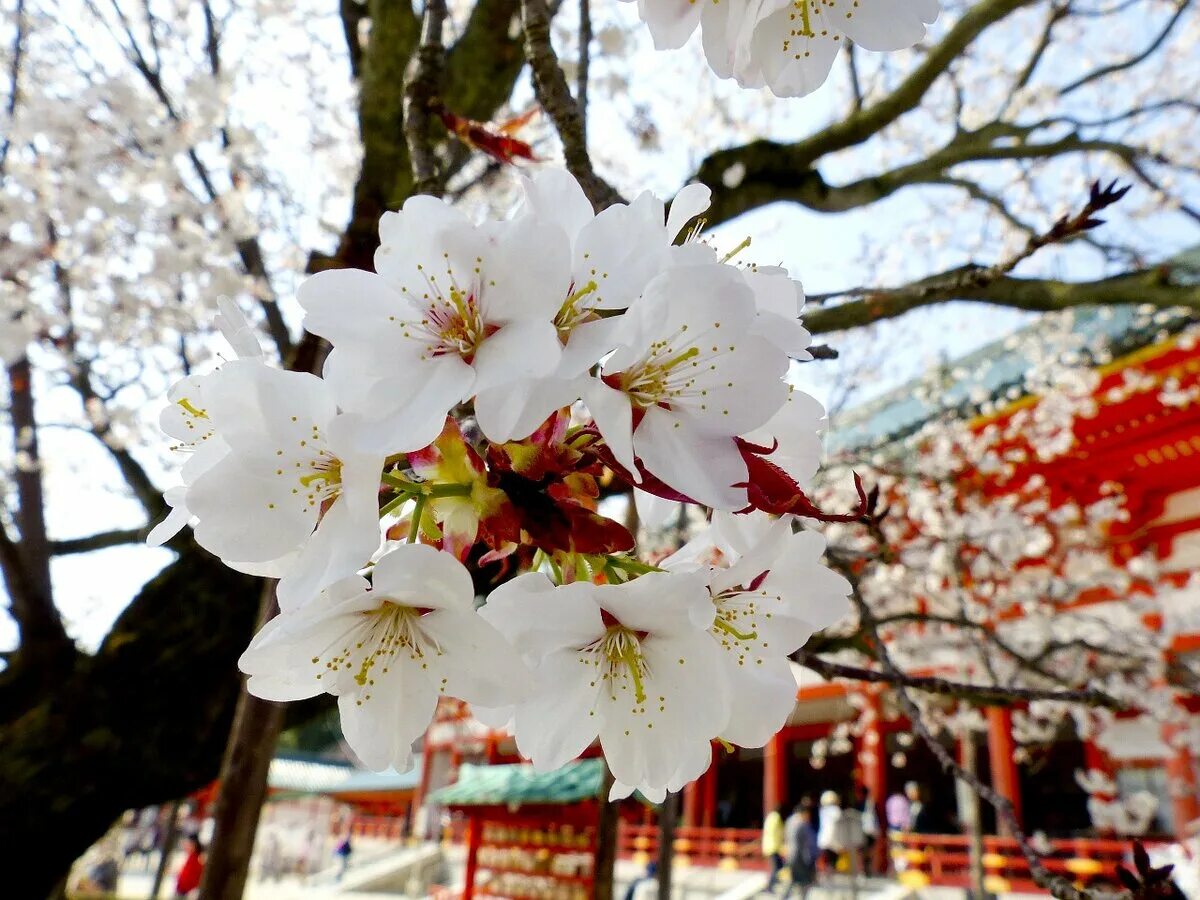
(789, 46)
(484, 385)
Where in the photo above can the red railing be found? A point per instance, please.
(724, 848)
(944, 859)
(384, 827)
(918, 859)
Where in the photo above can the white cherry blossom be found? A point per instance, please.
(771, 593)
(787, 46)
(794, 44)
(292, 481)
(614, 255)
(632, 664)
(388, 650)
(688, 377)
(457, 310)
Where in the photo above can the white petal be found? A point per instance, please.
(698, 466)
(236, 330)
(686, 705)
(766, 695)
(346, 538)
(613, 415)
(515, 411)
(659, 602)
(794, 65)
(671, 22)
(690, 202)
(654, 512)
(478, 665)
(557, 723)
(883, 24)
(526, 271)
(408, 412)
(554, 194)
(175, 520)
(539, 618)
(350, 307)
(527, 348)
(381, 728)
(422, 576)
(620, 251)
(248, 515)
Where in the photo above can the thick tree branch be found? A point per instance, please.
(420, 91)
(44, 640)
(1152, 287)
(550, 84)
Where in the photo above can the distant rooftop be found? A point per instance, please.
(997, 370)
(296, 773)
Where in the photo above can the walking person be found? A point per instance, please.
(772, 844)
(802, 847)
(187, 882)
(343, 851)
(828, 820)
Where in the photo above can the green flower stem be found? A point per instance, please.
(415, 530)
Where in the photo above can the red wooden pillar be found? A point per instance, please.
(708, 805)
(691, 803)
(775, 786)
(474, 831)
(1181, 780)
(1001, 752)
(422, 790)
(872, 755)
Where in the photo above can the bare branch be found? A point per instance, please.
(100, 541)
(986, 694)
(420, 91)
(1057, 885)
(14, 78)
(1132, 61)
(550, 85)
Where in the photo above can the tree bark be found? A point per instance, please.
(607, 825)
(141, 721)
(243, 788)
(668, 813)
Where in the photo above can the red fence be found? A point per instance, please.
(386, 827)
(724, 848)
(944, 859)
(919, 859)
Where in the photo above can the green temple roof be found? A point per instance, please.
(518, 784)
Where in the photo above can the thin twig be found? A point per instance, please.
(1057, 885)
(420, 92)
(550, 85)
(991, 694)
(1065, 228)
(14, 80)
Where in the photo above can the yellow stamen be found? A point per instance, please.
(191, 410)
